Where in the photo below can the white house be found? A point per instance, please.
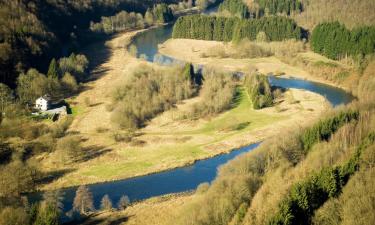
(43, 103)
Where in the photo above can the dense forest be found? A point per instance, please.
(279, 6)
(335, 41)
(260, 8)
(33, 32)
(228, 29)
(235, 7)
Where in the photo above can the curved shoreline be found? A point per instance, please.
(130, 36)
(173, 48)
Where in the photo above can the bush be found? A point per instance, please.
(149, 92)
(259, 89)
(69, 149)
(218, 92)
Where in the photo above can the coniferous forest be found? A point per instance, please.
(335, 41)
(228, 29)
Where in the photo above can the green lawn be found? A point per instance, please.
(129, 161)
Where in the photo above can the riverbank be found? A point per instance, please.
(160, 149)
(154, 211)
(197, 52)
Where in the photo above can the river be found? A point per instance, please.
(188, 177)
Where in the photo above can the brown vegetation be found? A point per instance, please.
(149, 91)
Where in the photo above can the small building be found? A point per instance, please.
(43, 103)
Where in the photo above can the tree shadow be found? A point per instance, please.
(92, 152)
(53, 175)
(98, 221)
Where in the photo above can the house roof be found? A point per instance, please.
(45, 97)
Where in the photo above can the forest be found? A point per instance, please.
(235, 7)
(335, 41)
(38, 27)
(228, 29)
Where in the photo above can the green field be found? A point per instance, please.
(178, 148)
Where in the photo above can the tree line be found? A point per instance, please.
(335, 41)
(122, 21)
(279, 6)
(260, 8)
(235, 7)
(227, 29)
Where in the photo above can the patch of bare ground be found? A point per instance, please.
(154, 211)
(196, 51)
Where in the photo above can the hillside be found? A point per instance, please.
(162, 112)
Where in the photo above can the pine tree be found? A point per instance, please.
(53, 71)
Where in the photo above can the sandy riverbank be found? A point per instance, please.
(195, 50)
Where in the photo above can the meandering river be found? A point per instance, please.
(189, 177)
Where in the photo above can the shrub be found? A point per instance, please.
(218, 92)
(259, 89)
(69, 149)
(149, 92)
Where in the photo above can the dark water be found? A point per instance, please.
(171, 181)
(147, 45)
(185, 178)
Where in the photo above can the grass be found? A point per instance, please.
(76, 110)
(172, 149)
(166, 142)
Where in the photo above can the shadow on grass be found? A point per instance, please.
(54, 175)
(237, 98)
(92, 152)
(96, 221)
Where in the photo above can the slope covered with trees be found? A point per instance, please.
(33, 32)
(335, 41)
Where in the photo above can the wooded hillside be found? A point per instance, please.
(33, 32)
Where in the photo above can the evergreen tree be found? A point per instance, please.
(53, 71)
(335, 41)
(235, 7)
(233, 29)
(6, 97)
